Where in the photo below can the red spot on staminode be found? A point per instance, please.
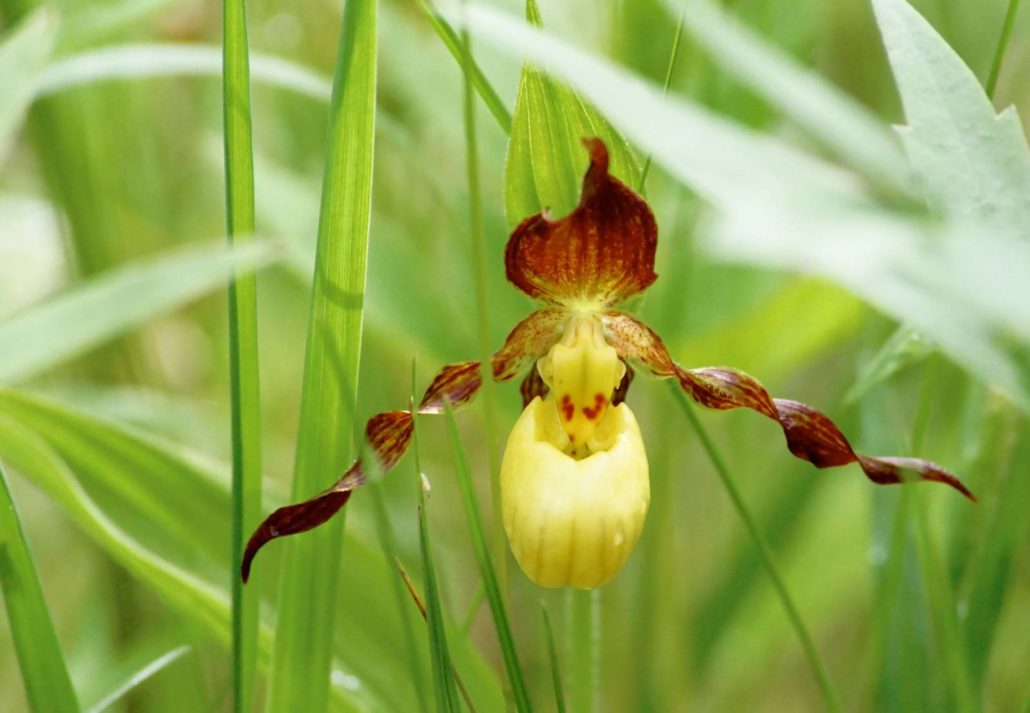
(599, 402)
(567, 408)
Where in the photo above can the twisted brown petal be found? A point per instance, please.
(389, 433)
(810, 434)
(600, 254)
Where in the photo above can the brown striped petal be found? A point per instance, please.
(599, 255)
(389, 433)
(810, 434)
(528, 341)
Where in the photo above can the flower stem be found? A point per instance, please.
(830, 696)
(1003, 43)
(585, 647)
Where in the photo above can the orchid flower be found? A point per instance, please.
(574, 477)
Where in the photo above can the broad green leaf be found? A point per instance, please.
(176, 543)
(780, 207)
(89, 314)
(243, 345)
(24, 52)
(839, 122)
(43, 671)
(974, 164)
(308, 600)
(546, 158)
(730, 166)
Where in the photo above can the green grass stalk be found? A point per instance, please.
(552, 658)
(829, 692)
(478, 239)
(43, 671)
(443, 673)
(243, 346)
(669, 69)
(1003, 43)
(491, 584)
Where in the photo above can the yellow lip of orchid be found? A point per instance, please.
(574, 478)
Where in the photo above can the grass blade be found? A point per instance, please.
(143, 61)
(139, 677)
(552, 658)
(474, 74)
(443, 679)
(1003, 43)
(110, 304)
(299, 678)
(486, 571)
(835, 119)
(23, 54)
(830, 696)
(43, 671)
(244, 382)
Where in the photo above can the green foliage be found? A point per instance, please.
(878, 274)
(43, 671)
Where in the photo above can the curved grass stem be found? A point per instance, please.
(830, 696)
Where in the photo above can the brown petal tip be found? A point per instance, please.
(300, 517)
(600, 254)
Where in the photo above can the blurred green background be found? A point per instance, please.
(111, 173)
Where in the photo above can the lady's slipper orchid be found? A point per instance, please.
(574, 479)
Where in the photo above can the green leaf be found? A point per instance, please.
(546, 159)
(140, 62)
(43, 671)
(243, 345)
(24, 52)
(104, 307)
(974, 164)
(486, 570)
(299, 678)
(839, 122)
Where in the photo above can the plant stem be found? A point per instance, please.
(1003, 43)
(585, 647)
(669, 68)
(478, 237)
(830, 697)
(243, 345)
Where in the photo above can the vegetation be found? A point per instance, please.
(209, 281)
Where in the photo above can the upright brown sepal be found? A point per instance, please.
(600, 254)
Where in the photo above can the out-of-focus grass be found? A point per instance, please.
(692, 623)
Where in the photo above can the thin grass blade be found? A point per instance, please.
(299, 678)
(139, 677)
(244, 383)
(43, 671)
(443, 678)
(831, 116)
(552, 658)
(491, 586)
